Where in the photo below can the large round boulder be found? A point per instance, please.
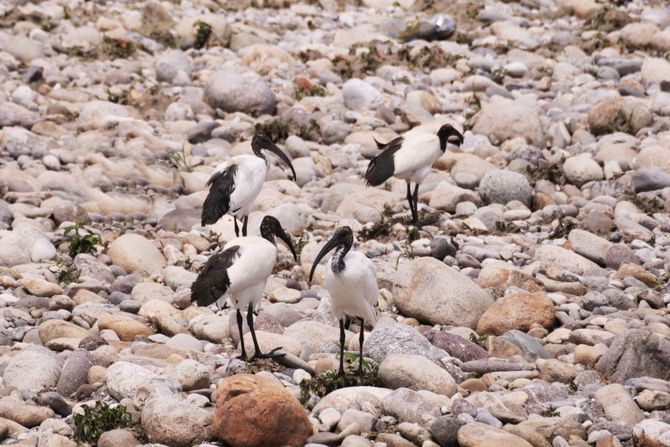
(430, 291)
(253, 410)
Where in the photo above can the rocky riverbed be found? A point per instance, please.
(530, 309)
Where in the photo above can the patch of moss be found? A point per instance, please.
(278, 129)
(564, 227)
(329, 381)
(606, 19)
(365, 59)
(596, 43)
(14, 15)
(622, 122)
(65, 271)
(377, 230)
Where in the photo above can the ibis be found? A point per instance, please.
(240, 272)
(410, 157)
(237, 182)
(352, 283)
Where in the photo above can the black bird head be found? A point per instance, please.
(262, 141)
(448, 134)
(270, 227)
(342, 240)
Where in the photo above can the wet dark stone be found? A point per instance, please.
(125, 283)
(56, 402)
(445, 431)
(92, 343)
(74, 372)
(455, 345)
(636, 353)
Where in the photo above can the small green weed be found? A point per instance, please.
(406, 252)
(65, 271)
(498, 75)
(474, 101)
(121, 98)
(316, 90)
(117, 48)
(304, 240)
(95, 421)
(181, 160)
(413, 234)
(203, 31)
(82, 240)
(377, 229)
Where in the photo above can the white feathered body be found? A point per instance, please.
(353, 291)
(250, 270)
(416, 156)
(249, 179)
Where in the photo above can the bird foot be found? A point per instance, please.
(242, 356)
(269, 355)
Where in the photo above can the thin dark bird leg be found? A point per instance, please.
(341, 371)
(361, 335)
(242, 356)
(237, 229)
(411, 203)
(416, 204)
(244, 226)
(258, 354)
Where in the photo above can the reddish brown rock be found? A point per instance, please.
(518, 311)
(254, 410)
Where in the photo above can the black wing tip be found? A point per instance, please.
(217, 202)
(201, 293)
(380, 169)
(211, 213)
(375, 181)
(213, 282)
(209, 217)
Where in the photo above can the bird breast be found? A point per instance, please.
(257, 258)
(249, 180)
(353, 290)
(416, 156)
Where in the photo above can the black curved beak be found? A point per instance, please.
(330, 245)
(281, 234)
(279, 153)
(456, 138)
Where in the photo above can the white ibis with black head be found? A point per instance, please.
(410, 157)
(240, 272)
(237, 182)
(352, 283)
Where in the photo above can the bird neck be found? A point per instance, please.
(258, 152)
(443, 141)
(337, 261)
(268, 234)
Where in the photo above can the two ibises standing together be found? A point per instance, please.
(240, 271)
